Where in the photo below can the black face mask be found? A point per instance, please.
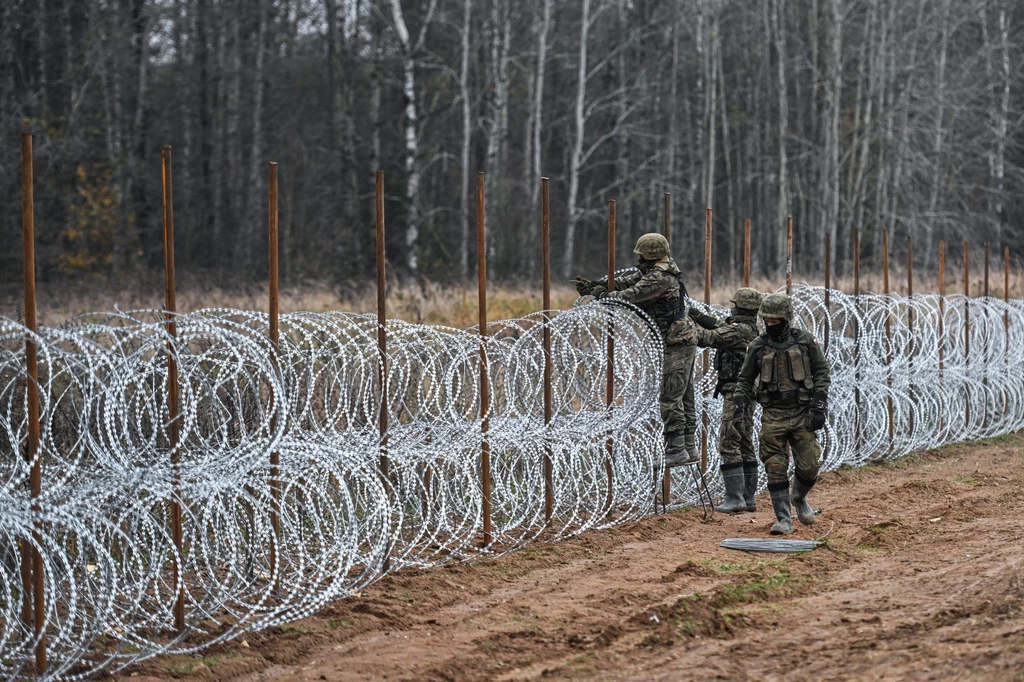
(777, 331)
(644, 265)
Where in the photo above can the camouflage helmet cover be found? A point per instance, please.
(746, 298)
(777, 306)
(651, 246)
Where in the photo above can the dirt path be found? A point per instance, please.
(921, 580)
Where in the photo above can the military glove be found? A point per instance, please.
(599, 291)
(739, 404)
(583, 286)
(705, 321)
(819, 411)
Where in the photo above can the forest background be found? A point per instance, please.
(898, 115)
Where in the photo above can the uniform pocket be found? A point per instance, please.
(767, 376)
(797, 369)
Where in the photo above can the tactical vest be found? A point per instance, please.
(785, 378)
(728, 362)
(668, 309)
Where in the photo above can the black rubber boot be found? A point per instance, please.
(732, 476)
(783, 508)
(675, 449)
(803, 510)
(750, 474)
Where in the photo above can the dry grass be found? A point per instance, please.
(428, 303)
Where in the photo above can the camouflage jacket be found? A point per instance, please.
(730, 338)
(786, 372)
(655, 292)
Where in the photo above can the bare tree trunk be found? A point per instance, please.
(467, 139)
(256, 151)
(710, 107)
(579, 121)
(939, 134)
(410, 50)
(538, 99)
(498, 131)
(835, 71)
(783, 180)
(1002, 125)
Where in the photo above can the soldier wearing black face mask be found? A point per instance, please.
(656, 287)
(785, 370)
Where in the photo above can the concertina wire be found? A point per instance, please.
(103, 527)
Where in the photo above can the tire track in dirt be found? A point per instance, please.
(921, 579)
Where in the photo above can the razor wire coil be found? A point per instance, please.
(265, 545)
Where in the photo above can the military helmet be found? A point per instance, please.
(651, 246)
(777, 306)
(746, 298)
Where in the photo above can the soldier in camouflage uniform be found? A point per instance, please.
(730, 338)
(657, 289)
(785, 370)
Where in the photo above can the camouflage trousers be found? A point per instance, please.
(678, 411)
(735, 437)
(789, 426)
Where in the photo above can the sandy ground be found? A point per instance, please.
(920, 580)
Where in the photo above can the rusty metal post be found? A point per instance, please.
(828, 288)
(705, 421)
(967, 324)
(666, 479)
(383, 420)
(1006, 321)
(942, 327)
(485, 375)
(668, 219)
(746, 252)
(789, 256)
(170, 308)
(545, 231)
(911, 348)
(275, 456)
(856, 338)
(888, 337)
(984, 353)
(609, 393)
(31, 557)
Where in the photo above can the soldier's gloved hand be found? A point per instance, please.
(819, 411)
(693, 312)
(739, 404)
(599, 291)
(705, 321)
(583, 286)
